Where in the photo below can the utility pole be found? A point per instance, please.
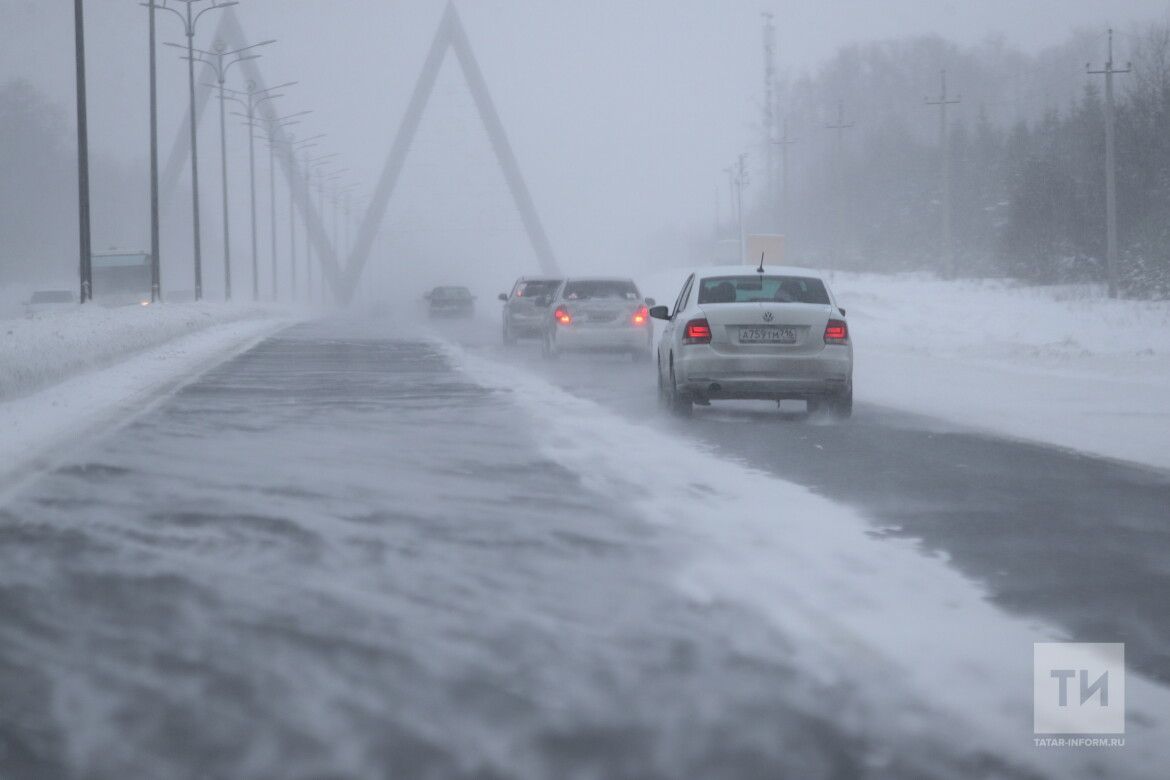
(1111, 260)
(840, 126)
(738, 177)
(85, 265)
(944, 145)
(769, 113)
(718, 214)
(155, 262)
(730, 171)
(784, 142)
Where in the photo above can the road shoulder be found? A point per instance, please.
(38, 429)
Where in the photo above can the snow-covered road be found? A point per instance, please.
(351, 552)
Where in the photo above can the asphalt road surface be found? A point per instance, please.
(335, 556)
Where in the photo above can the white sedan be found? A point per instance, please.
(599, 314)
(767, 333)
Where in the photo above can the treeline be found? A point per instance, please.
(1027, 157)
(38, 192)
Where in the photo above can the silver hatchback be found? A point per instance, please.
(526, 307)
(769, 333)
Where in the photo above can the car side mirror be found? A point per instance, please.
(842, 312)
(503, 297)
(660, 312)
(649, 301)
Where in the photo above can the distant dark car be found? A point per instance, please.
(44, 300)
(450, 302)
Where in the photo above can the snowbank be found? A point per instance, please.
(50, 346)
(1056, 365)
(915, 650)
(37, 428)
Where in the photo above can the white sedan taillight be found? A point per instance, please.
(836, 332)
(697, 332)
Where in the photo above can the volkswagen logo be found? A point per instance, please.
(768, 317)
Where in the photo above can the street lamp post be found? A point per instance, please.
(221, 60)
(310, 163)
(190, 20)
(293, 145)
(251, 100)
(155, 261)
(321, 179)
(272, 126)
(85, 266)
(335, 201)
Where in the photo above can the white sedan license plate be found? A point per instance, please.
(767, 335)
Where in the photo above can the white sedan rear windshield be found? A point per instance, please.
(600, 288)
(756, 288)
(536, 288)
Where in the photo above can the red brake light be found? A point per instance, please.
(836, 332)
(640, 316)
(697, 332)
(563, 317)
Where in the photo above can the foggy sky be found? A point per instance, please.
(622, 113)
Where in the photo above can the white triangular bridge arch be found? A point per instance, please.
(450, 35)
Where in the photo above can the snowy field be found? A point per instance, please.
(1056, 365)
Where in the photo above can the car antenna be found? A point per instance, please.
(760, 270)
